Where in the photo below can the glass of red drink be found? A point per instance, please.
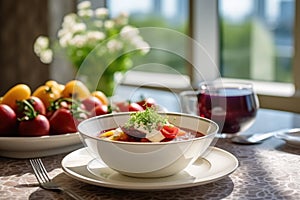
(233, 106)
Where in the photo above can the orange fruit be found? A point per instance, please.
(17, 93)
(76, 89)
(58, 86)
(47, 94)
(101, 96)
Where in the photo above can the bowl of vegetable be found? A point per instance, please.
(147, 143)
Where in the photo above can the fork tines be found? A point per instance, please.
(40, 171)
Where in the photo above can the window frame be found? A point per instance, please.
(296, 63)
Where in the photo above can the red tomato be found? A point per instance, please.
(62, 122)
(100, 110)
(34, 102)
(76, 108)
(66, 115)
(38, 126)
(122, 106)
(169, 131)
(135, 107)
(8, 119)
(147, 102)
(91, 102)
(127, 106)
(38, 105)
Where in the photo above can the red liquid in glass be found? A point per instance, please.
(231, 108)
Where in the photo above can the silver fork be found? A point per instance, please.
(44, 180)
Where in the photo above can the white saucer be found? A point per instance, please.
(216, 165)
(291, 137)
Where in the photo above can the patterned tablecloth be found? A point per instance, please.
(270, 170)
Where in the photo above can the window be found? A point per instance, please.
(281, 94)
(257, 39)
(170, 14)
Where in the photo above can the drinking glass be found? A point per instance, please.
(233, 106)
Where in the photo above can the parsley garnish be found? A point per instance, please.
(149, 119)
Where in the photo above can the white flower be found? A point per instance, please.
(78, 41)
(139, 44)
(114, 45)
(136, 40)
(101, 13)
(67, 26)
(85, 13)
(95, 36)
(46, 56)
(64, 41)
(129, 32)
(122, 19)
(78, 27)
(84, 5)
(41, 43)
(143, 47)
(62, 32)
(109, 24)
(69, 20)
(86, 29)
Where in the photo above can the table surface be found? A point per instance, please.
(270, 170)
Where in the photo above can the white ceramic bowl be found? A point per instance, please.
(140, 159)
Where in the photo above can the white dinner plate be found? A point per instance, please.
(30, 147)
(216, 165)
(291, 137)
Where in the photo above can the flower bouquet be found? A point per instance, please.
(97, 45)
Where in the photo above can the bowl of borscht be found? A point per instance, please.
(147, 144)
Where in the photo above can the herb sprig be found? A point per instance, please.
(149, 119)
